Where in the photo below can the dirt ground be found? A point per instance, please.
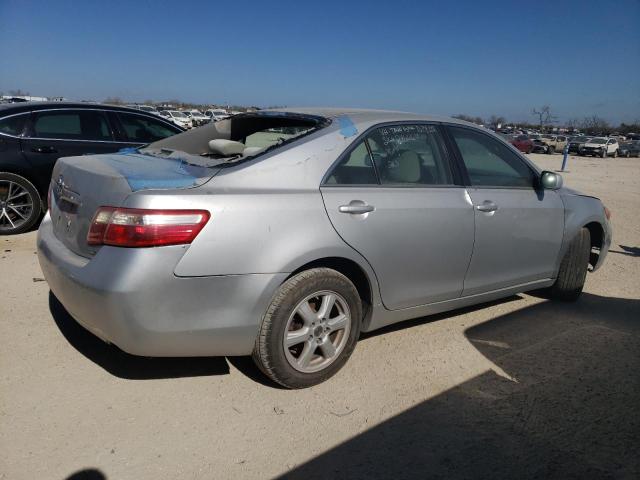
(519, 388)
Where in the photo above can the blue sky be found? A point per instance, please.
(444, 57)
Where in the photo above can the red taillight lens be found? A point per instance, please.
(49, 196)
(132, 227)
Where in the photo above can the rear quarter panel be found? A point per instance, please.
(267, 216)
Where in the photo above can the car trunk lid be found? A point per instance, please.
(80, 185)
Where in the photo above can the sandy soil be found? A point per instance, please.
(518, 388)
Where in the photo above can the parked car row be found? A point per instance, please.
(580, 145)
(185, 119)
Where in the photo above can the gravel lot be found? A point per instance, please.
(517, 388)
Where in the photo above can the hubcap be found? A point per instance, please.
(16, 205)
(317, 331)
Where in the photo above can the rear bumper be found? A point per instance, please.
(131, 298)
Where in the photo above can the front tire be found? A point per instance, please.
(603, 154)
(20, 204)
(310, 328)
(551, 150)
(573, 269)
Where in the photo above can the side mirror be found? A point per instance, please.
(550, 180)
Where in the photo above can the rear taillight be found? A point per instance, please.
(133, 227)
(49, 196)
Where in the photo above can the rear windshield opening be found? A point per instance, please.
(240, 137)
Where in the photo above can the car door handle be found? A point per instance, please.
(487, 206)
(44, 149)
(356, 207)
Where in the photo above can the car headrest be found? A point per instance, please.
(226, 148)
(406, 169)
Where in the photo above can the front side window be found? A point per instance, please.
(489, 162)
(400, 155)
(141, 129)
(13, 125)
(74, 125)
(409, 155)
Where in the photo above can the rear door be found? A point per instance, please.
(141, 129)
(57, 133)
(518, 228)
(393, 197)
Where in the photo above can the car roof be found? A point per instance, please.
(12, 108)
(366, 117)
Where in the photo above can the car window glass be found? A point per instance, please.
(76, 125)
(94, 126)
(13, 125)
(57, 125)
(489, 162)
(141, 129)
(356, 168)
(409, 155)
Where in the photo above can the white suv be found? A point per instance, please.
(198, 118)
(601, 146)
(178, 118)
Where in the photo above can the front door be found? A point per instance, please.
(518, 227)
(393, 198)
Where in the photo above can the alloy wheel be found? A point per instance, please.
(16, 205)
(317, 331)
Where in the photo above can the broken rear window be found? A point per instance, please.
(241, 136)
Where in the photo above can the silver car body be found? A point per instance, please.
(420, 251)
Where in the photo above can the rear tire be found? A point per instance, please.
(20, 204)
(317, 347)
(615, 154)
(573, 269)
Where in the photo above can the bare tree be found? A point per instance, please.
(573, 124)
(113, 100)
(595, 124)
(18, 93)
(495, 120)
(545, 116)
(469, 118)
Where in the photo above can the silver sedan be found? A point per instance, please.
(285, 234)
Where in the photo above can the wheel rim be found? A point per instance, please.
(317, 331)
(16, 205)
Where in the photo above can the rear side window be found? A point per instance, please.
(396, 155)
(354, 169)
(489, 162)
(140, 129)
(73, 125)
(13, 125)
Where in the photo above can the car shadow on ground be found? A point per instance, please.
(124, 365)
(570, 410)
(132, 367)
(631, 251)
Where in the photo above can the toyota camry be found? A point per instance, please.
(285, 234)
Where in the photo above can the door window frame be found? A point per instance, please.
(24, 127)
(456, 175)
(115, 133)
(453, 146)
